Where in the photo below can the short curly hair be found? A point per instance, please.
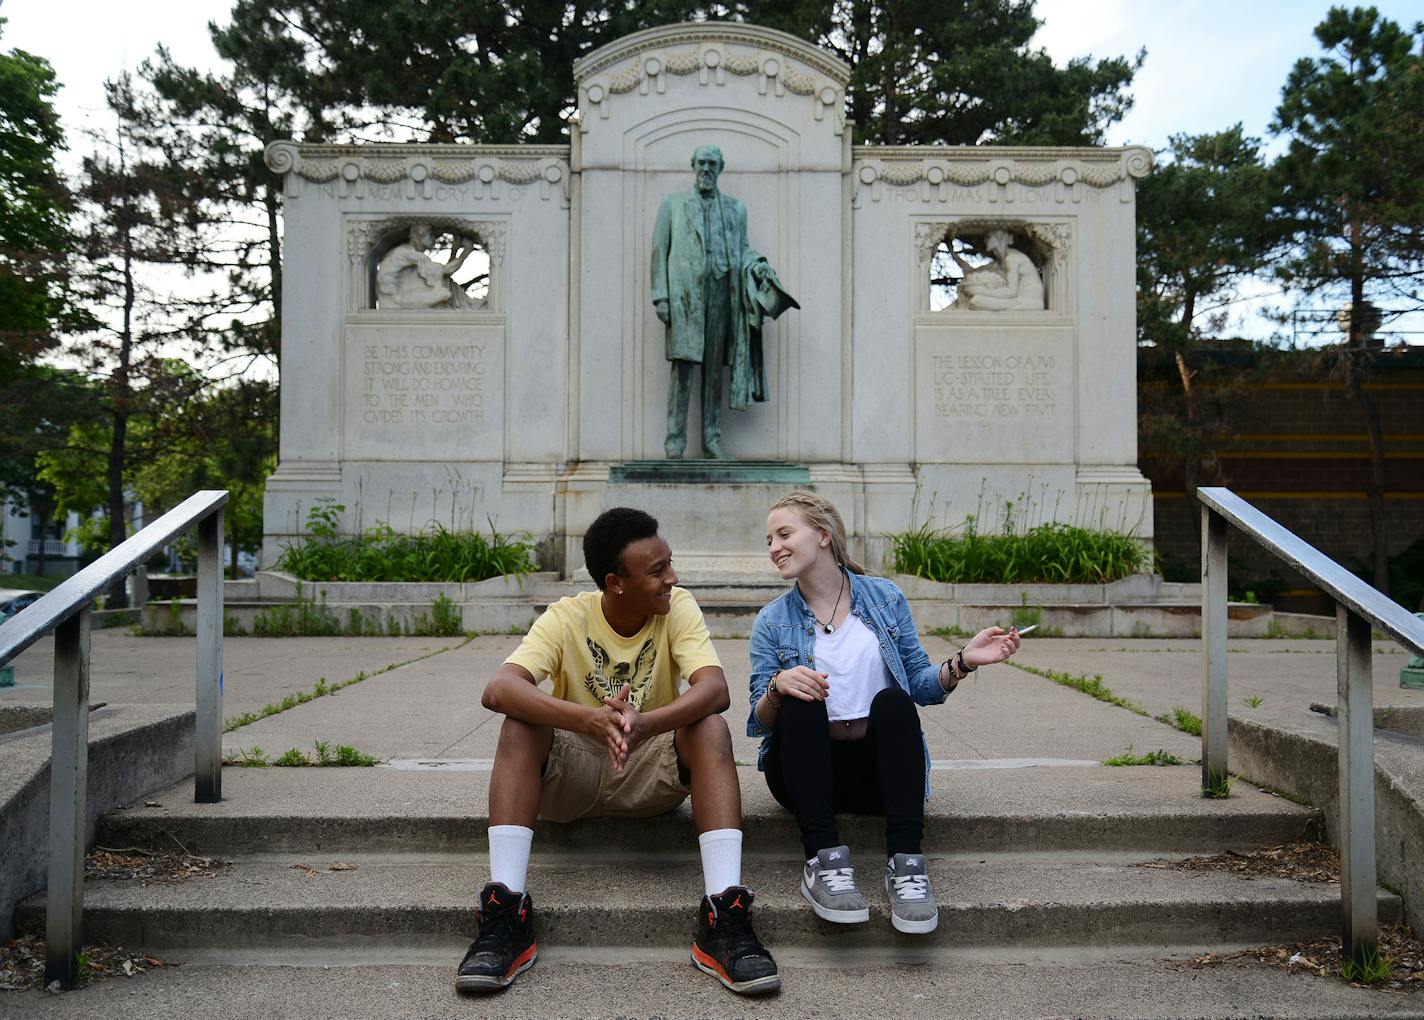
(612, 532)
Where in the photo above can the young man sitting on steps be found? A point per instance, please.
(616, 738)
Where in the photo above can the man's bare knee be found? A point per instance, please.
(522, 740)
(708, 739)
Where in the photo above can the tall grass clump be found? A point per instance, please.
(380, 553)
(1050, 552)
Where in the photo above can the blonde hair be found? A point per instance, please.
(821, 514)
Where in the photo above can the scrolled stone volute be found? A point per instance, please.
(281, 157)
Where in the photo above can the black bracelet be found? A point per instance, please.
(964, 667)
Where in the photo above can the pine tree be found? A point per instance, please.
(1355, 198)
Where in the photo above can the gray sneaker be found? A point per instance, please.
(828, 883)
(912, 904)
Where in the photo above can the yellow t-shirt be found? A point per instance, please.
(588, 661)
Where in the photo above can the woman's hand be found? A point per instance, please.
(801, 682)
(990, 645)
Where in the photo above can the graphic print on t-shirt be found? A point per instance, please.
(605, 683)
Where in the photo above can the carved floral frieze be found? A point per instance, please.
(422, 170)
(936, 174)
(780, 63)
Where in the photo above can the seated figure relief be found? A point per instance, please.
(407, 277)
(1010, 283)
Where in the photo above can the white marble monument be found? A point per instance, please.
(965, 336)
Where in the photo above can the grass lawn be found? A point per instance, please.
(29, 582)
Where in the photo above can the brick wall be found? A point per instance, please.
(1287, 437)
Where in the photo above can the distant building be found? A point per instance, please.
(24, 544)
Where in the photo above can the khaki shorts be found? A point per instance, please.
(579, 780)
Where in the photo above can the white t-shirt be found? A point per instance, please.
(857, 672)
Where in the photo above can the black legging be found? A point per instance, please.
(883, 773)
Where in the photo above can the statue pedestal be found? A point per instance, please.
(712, 512)
(709, 472)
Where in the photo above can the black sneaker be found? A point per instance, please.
(728, 949)
(505, 947)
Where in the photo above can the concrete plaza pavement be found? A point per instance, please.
(428, 708)
(426, 704)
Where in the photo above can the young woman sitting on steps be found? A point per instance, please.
(837, 670)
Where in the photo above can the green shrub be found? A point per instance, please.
(445, 619)
(302, 618)
(1051, 553)
(436, 554)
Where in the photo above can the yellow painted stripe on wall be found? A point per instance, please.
(1315, 455)
(1283, 437)
(1333, 387)
(1400, 496)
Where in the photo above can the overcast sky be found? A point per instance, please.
(1210, 63)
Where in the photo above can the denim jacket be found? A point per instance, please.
(784, 636)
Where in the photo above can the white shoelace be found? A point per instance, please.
(838, 879)
(911, 887)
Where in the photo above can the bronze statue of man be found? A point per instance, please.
(711, 291)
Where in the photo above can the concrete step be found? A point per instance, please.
(1008, 809)
(912, 984)
(598, 899)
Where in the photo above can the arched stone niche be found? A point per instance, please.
(1047, 245)
(370, 239)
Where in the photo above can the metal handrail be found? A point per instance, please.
(1358, 608)
(65, 611)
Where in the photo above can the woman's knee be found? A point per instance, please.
(892, 703)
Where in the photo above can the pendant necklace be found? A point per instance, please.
(829, 625)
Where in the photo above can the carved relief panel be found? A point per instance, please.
(404, 262)
(993, 265)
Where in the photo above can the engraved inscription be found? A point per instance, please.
(1007, 386)
(428, 385)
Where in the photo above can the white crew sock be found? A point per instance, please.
(509, 855)
(721, 859)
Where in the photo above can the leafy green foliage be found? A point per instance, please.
(322, 689)
(1350, 180)
(342, 756)
(1253, 701)
(1354, 197)
(1205, 224)
(956, 72)
(1052, 553)
(1371, 968)
(1158, 757)
(445, 619)
(249, 758)
(1219, 787)
(1180, 718)
(382, 554)
(302, 618)
(947, 71)
(34, 208)
(1092, 686)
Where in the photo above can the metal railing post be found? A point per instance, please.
(1355, 697)
(207, 737)
(1214, 617)
(68, 785)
